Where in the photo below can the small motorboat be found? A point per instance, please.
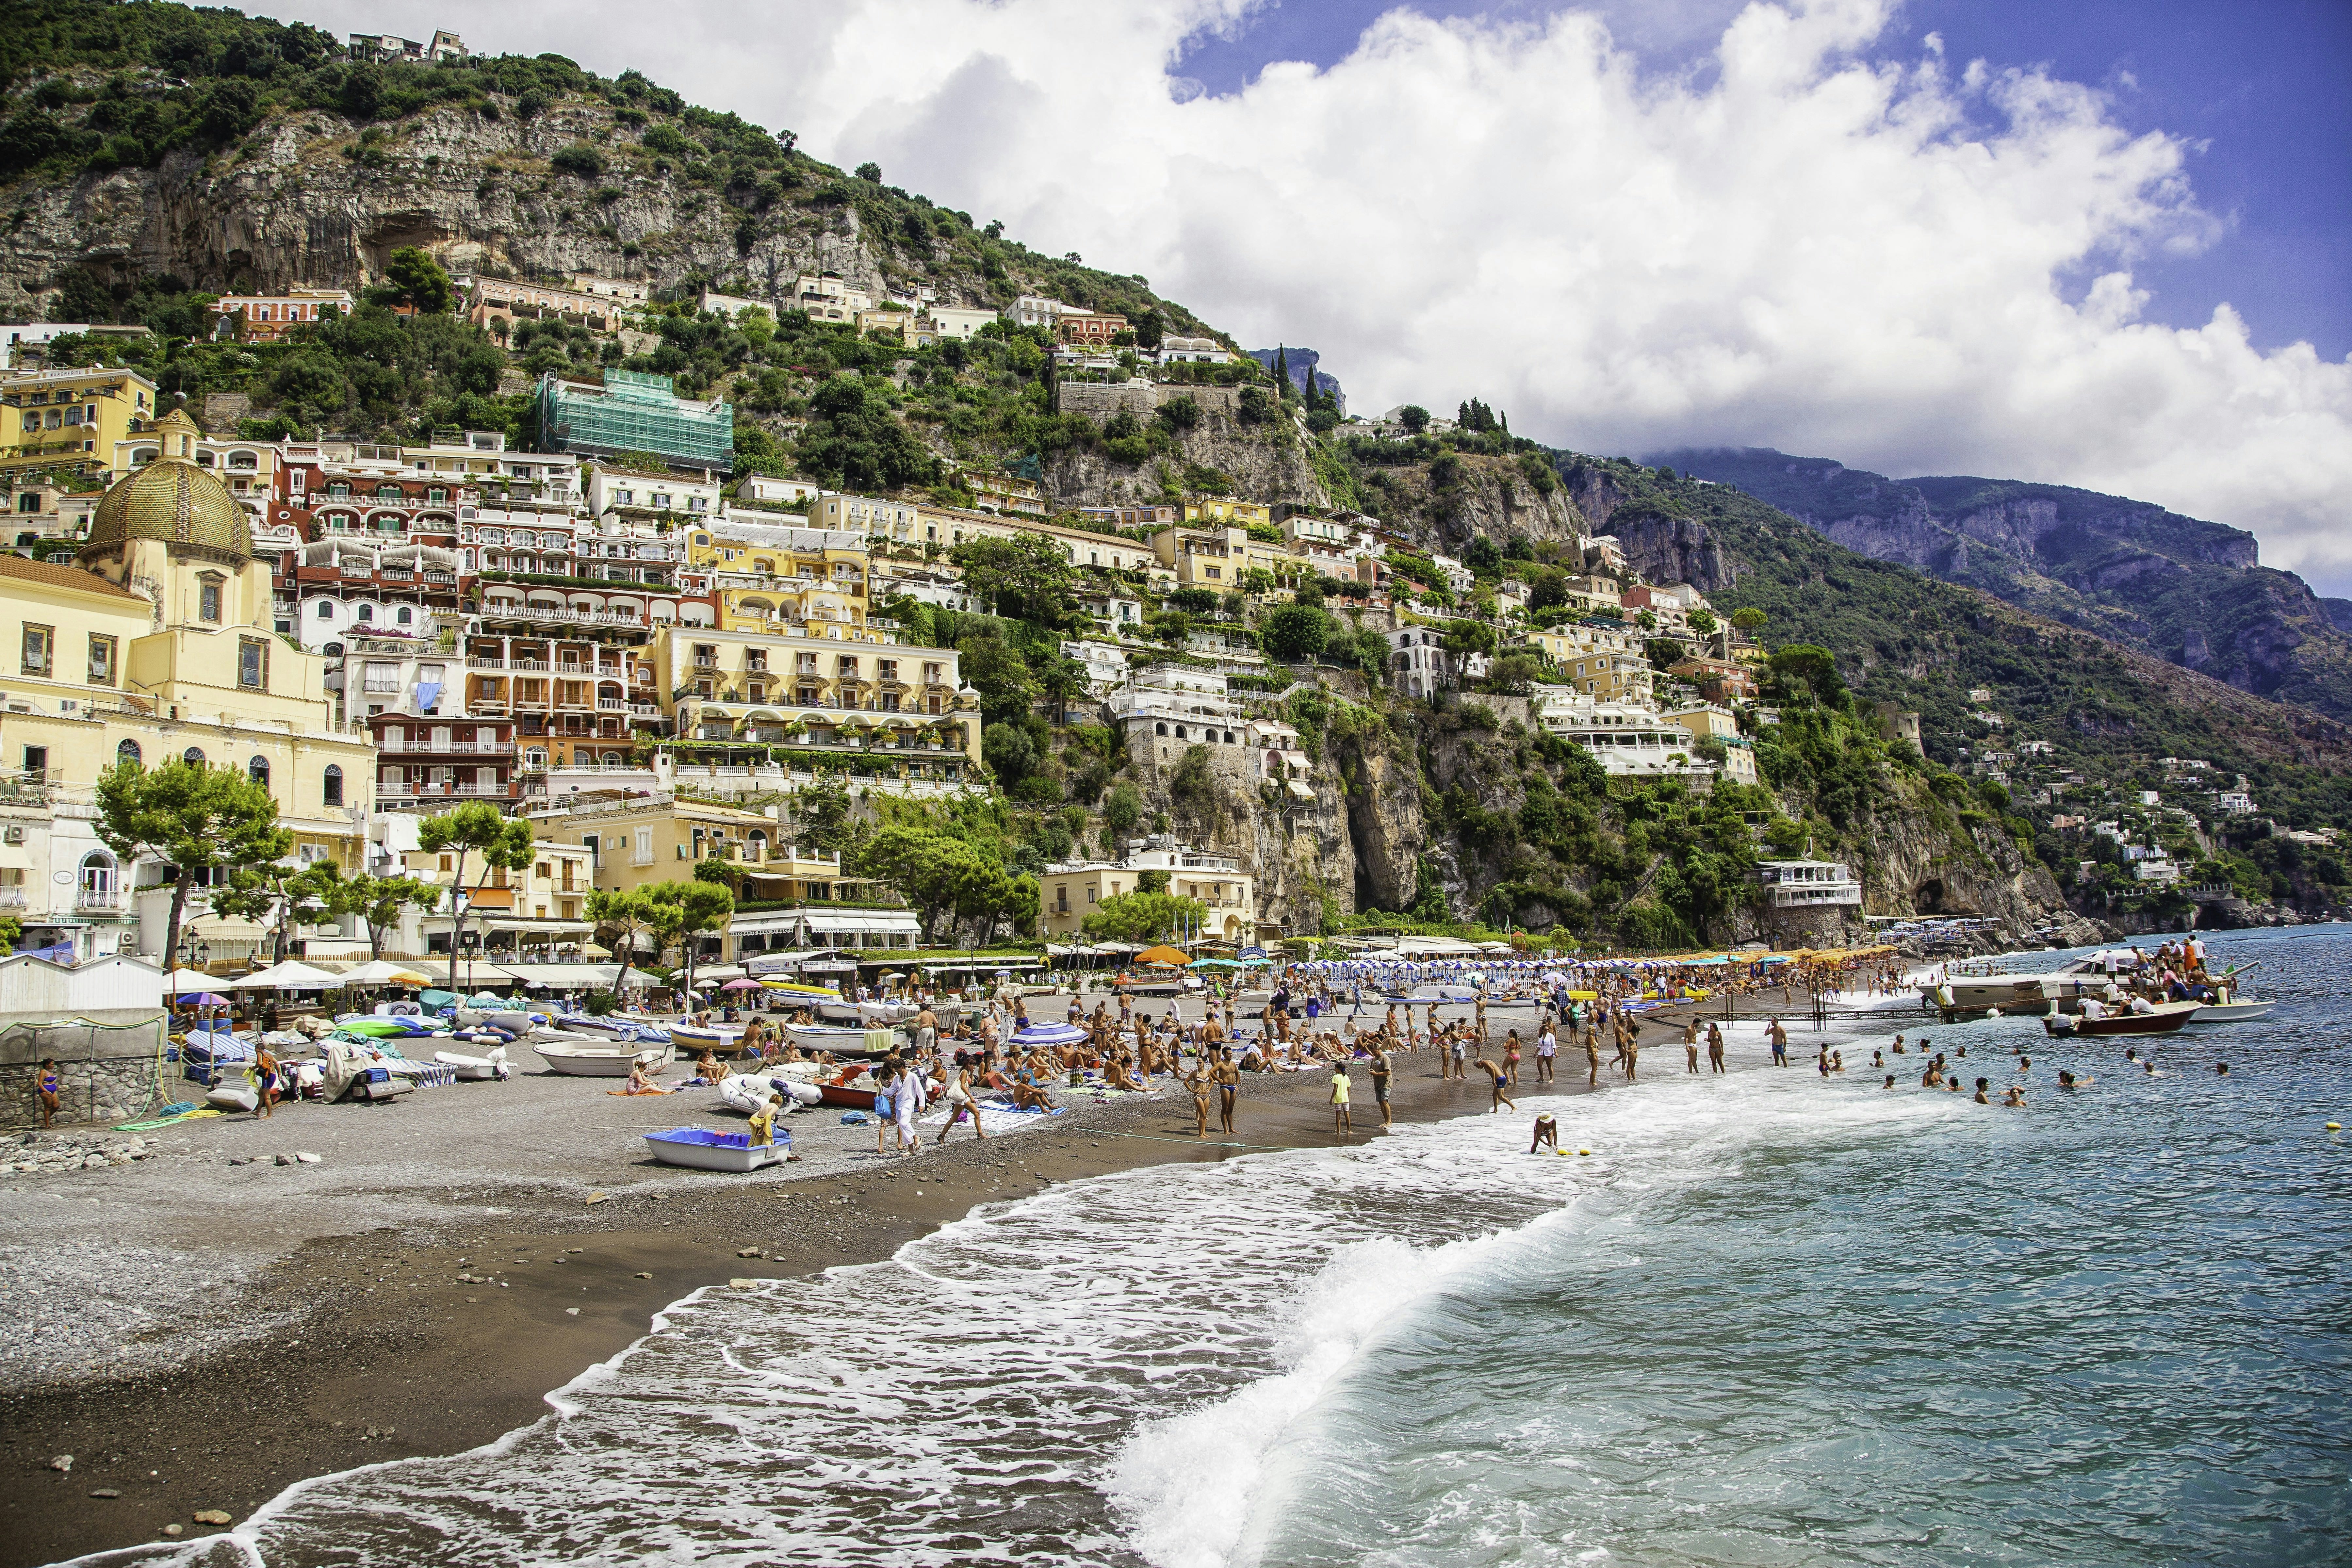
(867, 1014)
(643, 1031)
(842, 1040)
(2163, 1019)
(476, 1069)
(599, 1059)
(837, 1090)
(719, 1039)
(700, 1149)
(2231, 1011)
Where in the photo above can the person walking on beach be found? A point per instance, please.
(1380, 1071)
(1229, 1089)
(1715, 1048)
(1546, 1048)
(45, 1085)
(266, 1080)
(1340, 1087)
(959, 1100)
(1494, 1080)
(1632, 1050)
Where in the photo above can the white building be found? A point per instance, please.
(1808, 884)
(642, 493)
(1073, 889)
(1627, 740)
(767, 488)
(1178, 706)
(1194, 351)
(1419, 663)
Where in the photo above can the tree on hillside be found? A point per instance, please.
(995, 669)
(379, 901)
(1749, 619)
(1027, 577)
(1814, 669)
(1122, 808)
(854, 442)
(944, 877)
(475, 827)
(1295, 632)
(1413, 417)
(412, 278)
(194, 818)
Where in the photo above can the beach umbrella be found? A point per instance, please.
(287, 976)
(199, 999)
(1164, 954)
(740, 986)
(186, 979)
(384, 971)
(1048, 1035)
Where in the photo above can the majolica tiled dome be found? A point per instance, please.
(172, 500)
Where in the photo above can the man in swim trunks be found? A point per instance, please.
(1494, 1080)
(1380, 1071)
(1229, 1088)
(1779, 1038)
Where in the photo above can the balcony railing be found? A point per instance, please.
(11, 898)
(98, 899)
(468, 748)
(391, 792)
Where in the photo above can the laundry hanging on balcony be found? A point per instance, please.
(428, 695)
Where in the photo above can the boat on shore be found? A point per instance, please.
(719, 1039)
(475, 1069)
(613, 1026)
(700, 1149)
(2163, 1019)
(599, 1058)
(843, 1040)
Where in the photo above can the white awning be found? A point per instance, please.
(15, 858)
(1301, 790)
(554, 928)
(562, 976)
(869, 922)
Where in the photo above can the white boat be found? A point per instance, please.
(700, 1149)
(599, 1059)
(643, 1031)
(719, 1039)
(2231, 1012)
(745, 1093)
(843, 1040)
(867, 1014)
(476, 1069)
(238, 1096)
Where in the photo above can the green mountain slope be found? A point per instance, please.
(2188, 592)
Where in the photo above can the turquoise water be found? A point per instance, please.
(1768, 1319)
(2110, 1327)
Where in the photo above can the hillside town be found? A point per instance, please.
(652, 657)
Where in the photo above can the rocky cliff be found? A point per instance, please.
(2188, 592)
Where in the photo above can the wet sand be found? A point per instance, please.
(364, 1344)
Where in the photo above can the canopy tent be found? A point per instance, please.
(384, 971)
(287, 976)
(187, 980)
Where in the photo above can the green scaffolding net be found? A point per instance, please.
(635, 412)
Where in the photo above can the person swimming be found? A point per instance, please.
(1890, 1080)
(1984, 1084)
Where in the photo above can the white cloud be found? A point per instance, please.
(1795, 242)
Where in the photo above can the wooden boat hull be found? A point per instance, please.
(844, 1095)
(600, 1062)
(2163, 1021)
(841, 1042)
(691, 1040)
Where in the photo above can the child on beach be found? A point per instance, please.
(1340, 1087)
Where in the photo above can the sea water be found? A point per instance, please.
(1769, 1318)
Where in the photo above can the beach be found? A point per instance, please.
(207, 1333)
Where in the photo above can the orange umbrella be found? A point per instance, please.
(1163, 955)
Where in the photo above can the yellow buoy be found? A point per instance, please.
(1584, 1151)
(2335, 1127)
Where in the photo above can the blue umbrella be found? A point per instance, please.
(199, 999)
(1048, 1035)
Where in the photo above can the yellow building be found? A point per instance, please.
(1228, 895)
(1220, 558)
(1219, 511)
(851, 694)
(771, 579)
(155, 645)
(1610, 666)
(71, 419)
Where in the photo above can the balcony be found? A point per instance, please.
(446, 748)
(97, 898)
(390, 793)
(11, 898)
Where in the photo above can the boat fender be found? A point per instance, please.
(2335, 1127)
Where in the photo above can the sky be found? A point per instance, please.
(2101, 244)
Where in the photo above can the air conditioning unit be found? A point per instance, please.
(14, 833)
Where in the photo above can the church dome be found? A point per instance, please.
(172, 500)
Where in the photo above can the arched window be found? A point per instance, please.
(258, 770)
(333, 786)
(1160, 729)
(326, 609)
(365, 612)
(194, 756)
(128, 752)
(407, 616)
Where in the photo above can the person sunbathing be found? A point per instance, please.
(640, 1082)
(711, 1068)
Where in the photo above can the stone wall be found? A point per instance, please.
(111, 1068)
(1098, 400)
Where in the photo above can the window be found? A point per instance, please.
(101, 661)
(38, 641)
(128, 752)
(258, 769)
(252, 664)
(194, 756)
(36, 763)
(208, 599)
(644, 854)
(331, 787)
(406, 616)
